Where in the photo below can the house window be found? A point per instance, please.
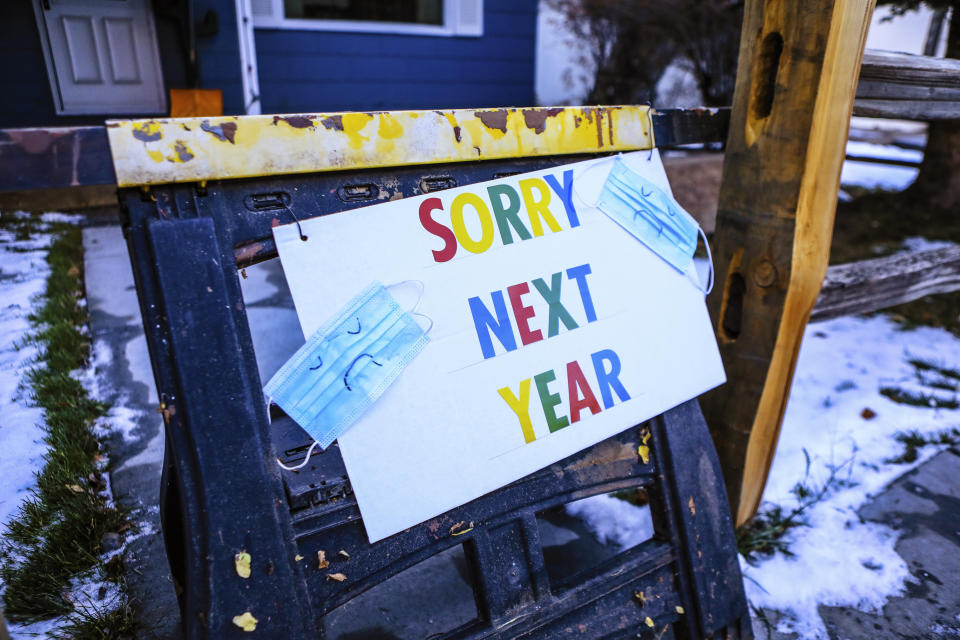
(412, 17)
(401, 11)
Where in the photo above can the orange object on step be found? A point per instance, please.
(195, 103)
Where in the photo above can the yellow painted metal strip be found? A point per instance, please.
(196, 149)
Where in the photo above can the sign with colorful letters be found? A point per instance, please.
(550, 329)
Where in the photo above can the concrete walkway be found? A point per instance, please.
(136, 453)
(924, 504)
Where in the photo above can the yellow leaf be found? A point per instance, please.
(245, 621)
(298, 557)
(644, 452)
(322, 562)
(242, 563)
(339, 577)
(680, 610)
(74, 487)
(649, 621)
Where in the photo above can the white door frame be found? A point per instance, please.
(248, 58)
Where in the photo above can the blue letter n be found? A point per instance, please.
(485, 324)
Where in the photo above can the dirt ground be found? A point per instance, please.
(695, 180)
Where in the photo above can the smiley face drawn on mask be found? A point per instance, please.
(346, 374)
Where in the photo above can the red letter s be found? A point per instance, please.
(437, 229)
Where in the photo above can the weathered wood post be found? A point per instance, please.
(796, 79)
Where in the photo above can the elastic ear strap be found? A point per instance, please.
(413, 310)
(305, 460)
(709, 261)
(600, 162)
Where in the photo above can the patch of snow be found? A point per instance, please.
(871, 175)
(614, 520)
(882, 151)
(839, 560)
(52, 217)
(42, 629)
(918, 243)
(23, 274)
(120, 419)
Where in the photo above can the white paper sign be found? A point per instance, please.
(628, 333)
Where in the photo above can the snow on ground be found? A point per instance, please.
(613, 520)
(872, 175)
(23, 274)
(839, 560)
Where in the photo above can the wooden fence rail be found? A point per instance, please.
(871, 285)
(900, 85)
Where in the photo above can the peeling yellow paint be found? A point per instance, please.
(178, 150)
(352, 124)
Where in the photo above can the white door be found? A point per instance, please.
(102, 56)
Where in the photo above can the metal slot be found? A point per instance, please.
(267, 201)
(357, 192)
(437, 183)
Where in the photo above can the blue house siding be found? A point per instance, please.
(338, 71)
(218, 56)
(27, 100)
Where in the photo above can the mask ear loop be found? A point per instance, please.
(413, 309)
(706, 244)
(305, 460)
(598, 163)
(309, 451)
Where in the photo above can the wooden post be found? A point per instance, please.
(796, 79)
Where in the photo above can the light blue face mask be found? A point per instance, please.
(650, 215)
(347, 364)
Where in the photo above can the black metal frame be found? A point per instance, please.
(223, 492)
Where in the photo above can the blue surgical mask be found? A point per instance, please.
(347, 364)
(650, 215)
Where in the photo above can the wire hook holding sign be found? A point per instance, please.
(296, 219)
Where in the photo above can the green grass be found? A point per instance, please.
(912, 441)
(765, 533)
(57, 532)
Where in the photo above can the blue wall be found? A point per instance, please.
(304, 71)
(27, 100)
(219, 55)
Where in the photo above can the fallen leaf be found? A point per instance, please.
(339, 577)
(344, 554)
(649, 621)
(642, 599)
(242, 563)
(297, 558)
(454, 532)
(868, 413)
(693, 507)
(644, 452)
(246, 621)
(322, 562)
(680, 610)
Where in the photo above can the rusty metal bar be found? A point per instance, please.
(44, 158)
